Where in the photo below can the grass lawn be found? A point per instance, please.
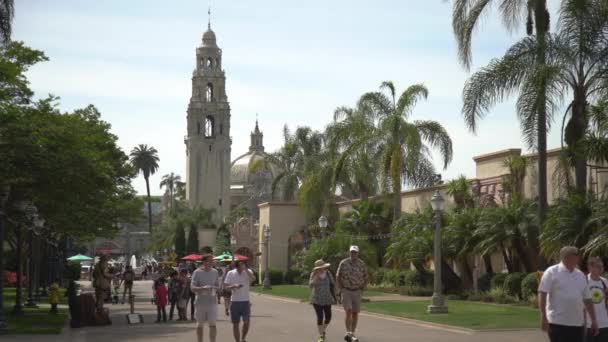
(34, 320)
(471, 315)
(299, 292)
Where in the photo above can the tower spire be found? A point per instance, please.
(209, 19)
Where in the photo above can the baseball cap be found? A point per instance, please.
(354, 248)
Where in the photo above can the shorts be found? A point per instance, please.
(351, 300)
(240, 310)
(206, 313)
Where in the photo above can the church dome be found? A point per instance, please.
(209, 38)
(248, 164)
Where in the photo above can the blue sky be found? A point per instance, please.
(293, 62)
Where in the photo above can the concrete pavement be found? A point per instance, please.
(273, 319)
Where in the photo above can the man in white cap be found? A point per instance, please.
(351, 279)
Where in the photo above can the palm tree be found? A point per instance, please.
(356, 172)
(465, 18)
(7, 12)
(404, 156)
(579, 53)
(460, 190)
(170, 181)
(294, 159)
(145, 160)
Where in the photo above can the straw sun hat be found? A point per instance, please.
(320, 264)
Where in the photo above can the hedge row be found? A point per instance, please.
(518, 285)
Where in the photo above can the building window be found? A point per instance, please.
(209, 92)
(209, 126)
(209, 63)
(220, 201)
(221, 129)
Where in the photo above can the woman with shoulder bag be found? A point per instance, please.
(323, 295)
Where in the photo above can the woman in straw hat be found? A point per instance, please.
(323, 295)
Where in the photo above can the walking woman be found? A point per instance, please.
(323, 295)
(162, 296)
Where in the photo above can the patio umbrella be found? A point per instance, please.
(79, 257)
(225, 256)
(240, 257)
(193, 257)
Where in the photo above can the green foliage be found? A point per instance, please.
(72, 271)
(415, 278)
(180, 240)
(529, 286)
(295, 277)
(276, 277)
(222, 241)
(192, 244)
(498, 281)
(512, 284)
(569, 222)
(416, 291)
(460, 190)
(412, 239)
(484, 282)
(500, 296)
(334, 249)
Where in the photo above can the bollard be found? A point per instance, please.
(132, 317)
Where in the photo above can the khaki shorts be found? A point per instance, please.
(351, 300)
(206, 313)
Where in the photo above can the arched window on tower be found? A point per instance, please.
(209, 126)
(209, 93)
(209, 63)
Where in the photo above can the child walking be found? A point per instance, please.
(54, 296)
(161, 299)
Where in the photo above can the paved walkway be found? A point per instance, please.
(273, 319)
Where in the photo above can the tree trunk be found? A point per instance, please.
(149, 206)
(451, 281)
(575, 132)
(506, 258)
(541, 21)
(467, 273)
(487, 260)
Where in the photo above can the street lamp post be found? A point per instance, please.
(323, 225)
(266, 232)
(438, 301)
(4, 192)
(36, 223)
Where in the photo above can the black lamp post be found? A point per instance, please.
(438, 301)
(4, 192)
(36, 224)
(323, 223)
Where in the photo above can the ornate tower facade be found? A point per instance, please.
(208, 140)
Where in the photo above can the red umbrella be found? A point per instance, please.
(240, 257)
(193, 257)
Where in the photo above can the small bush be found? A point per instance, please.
(498, 281)
(484, 282)
(416, 291)
(533, 301)
(499, 295)
(392, 277)
(476, 297)
(292, 277)
(512, 284)
(377, 276)
(529, 286)
(276, 276)
(415, 278)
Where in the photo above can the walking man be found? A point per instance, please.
(238, 281)
(127, 277)
(563, 297)
(204, 284)
(351, 280)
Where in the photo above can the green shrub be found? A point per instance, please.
(477, 297)
(415, 278)
(377, 276)
(498, 281)
(529, 286)
(276, 276)
(500, 296)
(484, 282)
(533, 301)
(293, 277)
(72, 270)
(392, 277)
(512, 284)
(417, 291)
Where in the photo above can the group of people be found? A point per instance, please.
(207, 286)
(350, 281)
(573, 305)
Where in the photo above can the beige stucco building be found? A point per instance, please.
(285, 219)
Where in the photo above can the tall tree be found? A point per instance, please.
(465, 18)
(192, 246)
(145, 159)
(403, 144)
(170, 182)
(7, 12)
(180, 239)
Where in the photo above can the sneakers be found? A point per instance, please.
(354, 339)
(348, 338)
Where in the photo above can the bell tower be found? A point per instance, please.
(208, 139)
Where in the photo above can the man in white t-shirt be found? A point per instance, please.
(205, 282)
(598, 289)
(238, 281)
(563, 296)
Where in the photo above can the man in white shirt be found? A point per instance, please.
(204, 284)
(597, 288)
(238, 281)
(563, 296)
